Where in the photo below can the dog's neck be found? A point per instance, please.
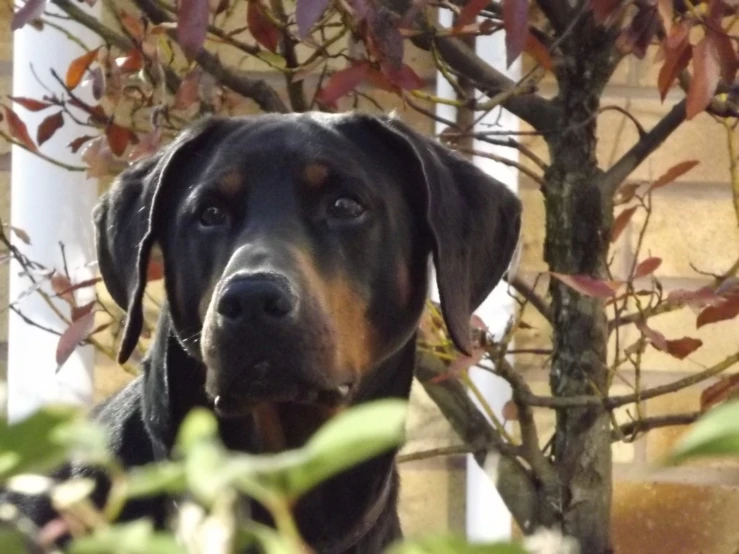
(336, 508)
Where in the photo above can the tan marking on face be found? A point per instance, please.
(346, 312)
(315, 174)
(206, 300)
(403, 283)
(270, 429)
(231, 183)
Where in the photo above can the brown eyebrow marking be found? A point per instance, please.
(231, 183)
(315, 174)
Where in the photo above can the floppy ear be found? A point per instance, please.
(474, 221)
(126, 220)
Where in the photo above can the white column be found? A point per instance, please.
(51, 204)
(487, 519)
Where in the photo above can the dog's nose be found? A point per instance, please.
(256, 299)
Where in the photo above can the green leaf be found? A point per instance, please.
(452, 545)
(199, 425)
(138, 537)
(155, 479)
(270, 541)
(714, 434)
(86, 440)
(11, 541)
(353, 436)
(30, 446)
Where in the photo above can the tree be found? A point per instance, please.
(159, 67)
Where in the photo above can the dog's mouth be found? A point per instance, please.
(238, 404)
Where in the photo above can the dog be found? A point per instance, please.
(296, 257)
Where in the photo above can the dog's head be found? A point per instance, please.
(296, 248)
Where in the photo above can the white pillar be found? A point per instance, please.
(51, 204)
(487, 519)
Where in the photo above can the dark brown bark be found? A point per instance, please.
(578, 222)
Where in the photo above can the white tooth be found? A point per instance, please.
(343, 390)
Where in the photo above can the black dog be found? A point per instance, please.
(295, 250)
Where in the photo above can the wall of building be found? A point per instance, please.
(687, 510)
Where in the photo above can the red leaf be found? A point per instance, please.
(81, 285)
(133, 25)
(673, 173)
(647, 267)
(30, 104)
(459, 365)
(77, 143)
(131, 62)
(82, 310)
(510, 411)
(699, 299)
(118, 138)
(18, 129)
(727, 57)
(307, 13)
(586, 285)
(684, 347)
(602, 9)
(73, 336)
(404, 77)
(469, 13)
(619, 224)
(61, 286)
(706, 74)
(77, 68)
(516, 25)
(189, 91)
(48, 127)
(538, 51)
(728, 309)
(665, 9)
(155, 270)
(342, 83)
(657, 339)
(192, 26)
(147, 146)
(261, 26)
(677, 57)
(724, 389)
(32, 9)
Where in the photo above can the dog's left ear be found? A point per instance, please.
(474, 221)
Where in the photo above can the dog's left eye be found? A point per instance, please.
(211, 216)
(346, 208)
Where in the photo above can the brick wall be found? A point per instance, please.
(688, 510)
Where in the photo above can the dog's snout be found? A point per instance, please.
(255, 299)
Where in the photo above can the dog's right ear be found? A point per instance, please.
(126, 220)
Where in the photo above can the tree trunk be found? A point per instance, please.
(577, 239)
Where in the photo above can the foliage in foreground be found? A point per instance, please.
(209, 478)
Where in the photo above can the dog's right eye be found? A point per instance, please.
(212, 216)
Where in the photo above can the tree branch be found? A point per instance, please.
(515, 483)
(238, 81)
(611, 180)
(532, 108)
(641, 426)
(531, 296)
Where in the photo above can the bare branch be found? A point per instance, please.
(611, 180)
(532, 108)
(531, 296)
(634, 429)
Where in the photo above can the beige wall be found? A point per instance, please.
(687, 511)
